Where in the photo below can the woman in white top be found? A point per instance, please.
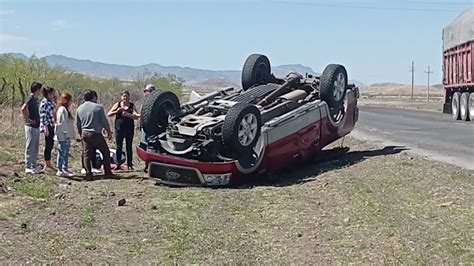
(65, 132)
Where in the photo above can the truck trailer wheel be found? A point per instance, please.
(241, 128)
(158, 106)
(455, 105)
(333, 85)
(464, 106)
(256, 71)
(471, 106)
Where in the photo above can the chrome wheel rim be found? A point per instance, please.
(247, 129)
(454, 105)
(463, 106)
(339, 86)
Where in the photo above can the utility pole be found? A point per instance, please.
(412, 77)
(428, 91)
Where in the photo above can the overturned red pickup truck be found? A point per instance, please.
(224, 136)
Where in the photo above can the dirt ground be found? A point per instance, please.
(399, 96)
(402, 90)
(366, 205)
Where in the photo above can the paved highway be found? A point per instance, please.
(430, 134)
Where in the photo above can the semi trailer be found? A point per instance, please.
(458, 66)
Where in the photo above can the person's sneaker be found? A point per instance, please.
(94, 171)
(68, 173)
(61, 173)
(30, 171)
(37, 170)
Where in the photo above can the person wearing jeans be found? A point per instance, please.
(64, 134)
(62, 159)
(90, 121)
(30, 112)
(47, 110)
(125, 113)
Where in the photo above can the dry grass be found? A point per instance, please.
(399, 96)
(402, 90)
(369, 205)
(433, 105)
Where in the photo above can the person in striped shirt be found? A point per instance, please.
(47, 110)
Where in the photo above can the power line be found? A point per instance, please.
(365, 7)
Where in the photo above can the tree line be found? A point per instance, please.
(16, 75)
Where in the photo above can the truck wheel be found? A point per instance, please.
(464, 106)
(333, 84)
(455, 105)
(158, 107)
(471, 106)
(256, 71)
(241, 128)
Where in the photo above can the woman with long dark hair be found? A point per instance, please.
(47, 110)
(125, 113)
(64, 133)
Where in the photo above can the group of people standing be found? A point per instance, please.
(55, 120)
(51, 120)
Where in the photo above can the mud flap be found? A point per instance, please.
(447, 108)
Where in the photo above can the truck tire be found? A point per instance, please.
(464, 106)
(241, 128)
(455, 105)
(256, 71)
(333, 84)
(158, 106)
(471, 106)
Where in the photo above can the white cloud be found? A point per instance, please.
(6, 12)
(60, 24)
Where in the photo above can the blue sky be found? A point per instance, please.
(375, 40)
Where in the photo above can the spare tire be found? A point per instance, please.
(158, 107)
(333, 84)
(241, 128)
(256, 71)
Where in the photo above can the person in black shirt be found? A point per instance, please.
(125, 113)
(31, 116)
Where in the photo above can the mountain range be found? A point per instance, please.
(190, 75)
